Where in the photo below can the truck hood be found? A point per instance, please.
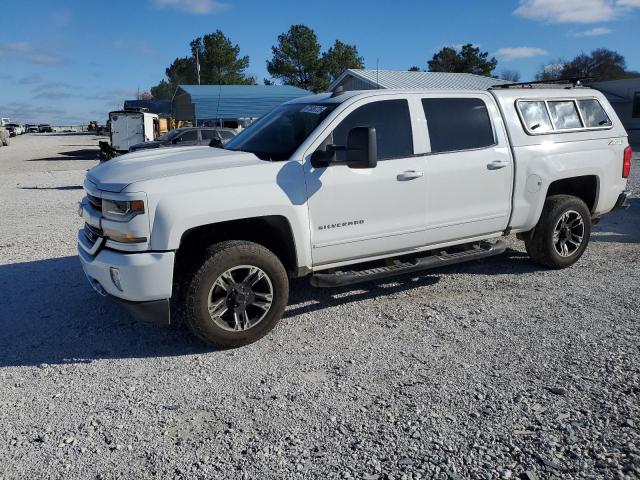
(116, 174)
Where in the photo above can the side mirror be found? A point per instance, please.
(323, 158)
(215, 143)
(362, 148)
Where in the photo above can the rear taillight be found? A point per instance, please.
(626, 163)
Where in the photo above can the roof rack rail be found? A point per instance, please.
(571, 82)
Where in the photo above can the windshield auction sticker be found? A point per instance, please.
(313, 109)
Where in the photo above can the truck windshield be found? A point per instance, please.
(278, 134)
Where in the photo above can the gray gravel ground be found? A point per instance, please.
(493, 369)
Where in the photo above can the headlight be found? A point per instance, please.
(122, 237)
(121, 210)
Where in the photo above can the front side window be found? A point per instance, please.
(535, 116)
(190, 136)
(169, 135)
(277, 135)
(593, 114)
(564, 114)
(457, 124)
(392, 122)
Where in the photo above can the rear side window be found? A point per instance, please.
(535, 116)
(392, 122)
(636, 105)
(209, 134)
(457, 124)
(593, 114)
(564, 114)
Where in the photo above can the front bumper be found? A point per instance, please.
(155, 311)
(145, 279)
(622, 202)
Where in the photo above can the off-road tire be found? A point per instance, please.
(539, 242)
(219, 258)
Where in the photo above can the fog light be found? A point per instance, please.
(115, 277)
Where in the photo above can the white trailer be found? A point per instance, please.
(129, 127)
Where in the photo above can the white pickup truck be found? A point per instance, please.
(349, 187)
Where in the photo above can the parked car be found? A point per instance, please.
(30, 128)
(188, 136)
(14, 129)
(4, 136)
(346, 188)
(45, 128)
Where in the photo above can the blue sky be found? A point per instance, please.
(73, 61)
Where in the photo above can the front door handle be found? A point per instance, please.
(409, 175)
(497, 164)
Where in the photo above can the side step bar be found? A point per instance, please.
(440, 259)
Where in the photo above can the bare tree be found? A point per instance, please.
(510, 75)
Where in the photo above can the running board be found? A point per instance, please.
(440, 259)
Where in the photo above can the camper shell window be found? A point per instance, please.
(560, 115)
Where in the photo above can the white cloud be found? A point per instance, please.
(54, 95)
(30, 80)
(25, 51)
(575, 11)
(61, 18)
(199, 7)
(594, 32)
(137, 46)
(515, 53)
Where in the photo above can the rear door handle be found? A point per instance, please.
(497, 164)
(409, 175)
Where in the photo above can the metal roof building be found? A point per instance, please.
(197, 103)
(624, 95)
(153, 105)
(374, 79)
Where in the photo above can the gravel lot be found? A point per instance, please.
(493, 369)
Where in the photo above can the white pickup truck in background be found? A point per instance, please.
(345, 188)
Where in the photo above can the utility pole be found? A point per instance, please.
(198, 66)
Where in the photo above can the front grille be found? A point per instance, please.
(96, 202)
(92, 233)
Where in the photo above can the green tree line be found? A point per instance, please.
(298, 60)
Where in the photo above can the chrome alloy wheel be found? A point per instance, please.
(240, 298)
(568, 233)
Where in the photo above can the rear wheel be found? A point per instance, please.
(238, 294)
(562, 233)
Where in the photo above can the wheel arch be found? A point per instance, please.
(273, 232)
(585, 187)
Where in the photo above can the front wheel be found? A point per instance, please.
(562, 233)
(238, 294)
